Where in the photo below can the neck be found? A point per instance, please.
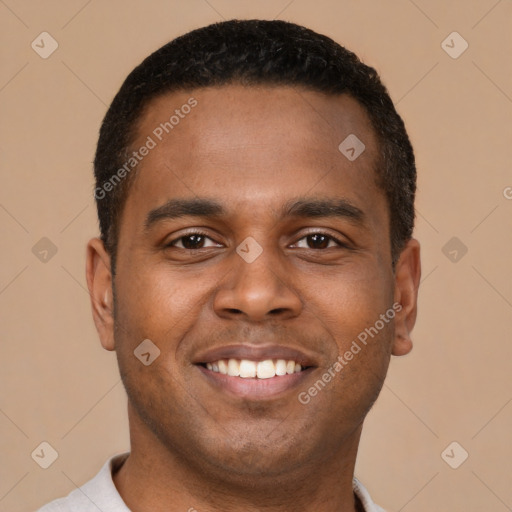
(154, 478)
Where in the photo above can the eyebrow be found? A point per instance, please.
(177, 208)
(311, 208)
(300, 207)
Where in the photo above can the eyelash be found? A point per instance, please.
(202, 233)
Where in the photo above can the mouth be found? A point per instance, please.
(255, 372)
(247, 369)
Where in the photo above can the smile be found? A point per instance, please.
(256, 372)
(247, 369)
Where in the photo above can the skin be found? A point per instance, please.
(252, 150)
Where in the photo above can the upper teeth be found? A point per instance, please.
(250, 369)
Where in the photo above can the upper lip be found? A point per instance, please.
(254, 353)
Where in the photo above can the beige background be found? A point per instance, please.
(59, 386)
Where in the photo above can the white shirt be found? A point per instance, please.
(100, 494)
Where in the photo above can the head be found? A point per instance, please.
(245, 229)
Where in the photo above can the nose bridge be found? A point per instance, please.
(259, 273)
(256, 285)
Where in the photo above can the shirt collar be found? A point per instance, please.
(104, 483)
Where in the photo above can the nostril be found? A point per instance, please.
(234, 311)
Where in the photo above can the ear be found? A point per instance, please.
(407, 281)
(99, 282)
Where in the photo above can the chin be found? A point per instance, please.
(263, 454)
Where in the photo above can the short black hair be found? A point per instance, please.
(251, 53)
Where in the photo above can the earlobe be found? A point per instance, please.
(407, 280)
(99, 282)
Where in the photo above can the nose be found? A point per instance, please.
(257, 291)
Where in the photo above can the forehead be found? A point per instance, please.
(266, 111)
(250, 146)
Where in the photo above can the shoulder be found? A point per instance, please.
(73, 502)
(98, 493)
(55, 506)
(364, 496)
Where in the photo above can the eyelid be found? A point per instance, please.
(324, 231)
(311, 231)
(189, 232)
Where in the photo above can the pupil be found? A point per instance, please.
(194, 239)
(319, 241)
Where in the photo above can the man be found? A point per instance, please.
(255, 272)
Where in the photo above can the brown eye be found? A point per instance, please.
(193, 241)
(318, 241)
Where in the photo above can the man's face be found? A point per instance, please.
(260, 276)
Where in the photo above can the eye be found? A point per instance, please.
(319, 241)
(199, 240)
(193, 240)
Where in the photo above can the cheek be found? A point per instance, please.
(353, 315)
(160, 303)
(350, 307)
(350, 302)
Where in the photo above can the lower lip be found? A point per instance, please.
(253, 388)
